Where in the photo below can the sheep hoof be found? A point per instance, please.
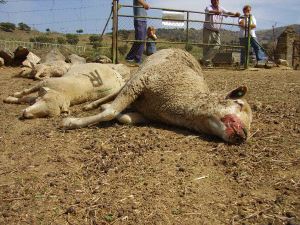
(88, 107)
(69, 123)
(10, 100)
(17, 95)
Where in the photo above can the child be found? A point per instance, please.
(243, 22)
(151, 46)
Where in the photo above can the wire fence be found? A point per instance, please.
(185, 33)
(92, 22)
(12, 45)
(54, 23)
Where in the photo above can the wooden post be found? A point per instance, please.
(247, 56)
(115, 32)
(187, 29)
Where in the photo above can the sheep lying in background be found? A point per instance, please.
(82, 83)
(53, 66)
(169, 87)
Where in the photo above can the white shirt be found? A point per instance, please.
(214, 20)
(244, 33)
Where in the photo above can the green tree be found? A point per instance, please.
(79, 31)
(48, 30)
(72, 39)
(24, 26)
(7, 26)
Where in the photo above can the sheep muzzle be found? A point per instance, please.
(235, 131)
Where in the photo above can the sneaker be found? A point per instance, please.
(130, 60)
(206, 63)
(261, 63)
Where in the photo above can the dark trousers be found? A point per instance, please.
(259, 53)
(137, 48)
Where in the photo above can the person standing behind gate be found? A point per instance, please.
(211, 30)
(151, 37)
(140, 27)
(259, 53)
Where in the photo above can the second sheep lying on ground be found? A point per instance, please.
(53, 66)
(82, 83)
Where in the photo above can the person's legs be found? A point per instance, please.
(211, 51)
(243, 42)
(205, 41)
(142, 34)
(260, 55)
(131, 54)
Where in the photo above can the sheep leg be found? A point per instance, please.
(131, 118)
(97, 103)
(40, 73)
(128, 94)
(26, 72)
(27, 91)
(39, 109)
(14, 100)
(75, 123)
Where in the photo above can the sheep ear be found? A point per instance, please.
(237, 93)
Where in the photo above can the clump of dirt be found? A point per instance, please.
(155, 174)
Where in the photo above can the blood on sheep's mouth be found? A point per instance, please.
(235, 129)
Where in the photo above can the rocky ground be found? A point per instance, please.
(154, 174)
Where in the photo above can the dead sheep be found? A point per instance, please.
(169, 87)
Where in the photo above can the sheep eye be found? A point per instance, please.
(240, 103)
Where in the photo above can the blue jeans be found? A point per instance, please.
(137, 48)
(259, 53)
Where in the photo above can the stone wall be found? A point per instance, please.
(284, 48)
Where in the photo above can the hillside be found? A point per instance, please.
(267, 35)
(164, 34)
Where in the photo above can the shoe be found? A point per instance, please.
(261, 63)
(206, 63)
(130, 60)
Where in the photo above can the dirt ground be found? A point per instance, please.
(154, 174)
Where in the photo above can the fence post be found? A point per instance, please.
(294, 54)
(247, 55)
(187, 29)
(115, 32)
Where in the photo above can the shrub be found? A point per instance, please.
(96, 41)
(61, 40)
(72, 39)
(123, 49)
(124, 34)
(189, 47)
(24, 26)
(8, 27)
(42, 39)
(95, 38)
